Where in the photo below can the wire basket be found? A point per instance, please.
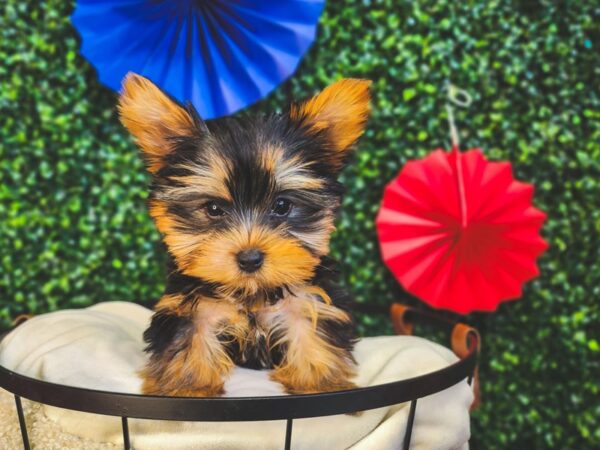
(465, 344)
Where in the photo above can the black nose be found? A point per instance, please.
(250, 260)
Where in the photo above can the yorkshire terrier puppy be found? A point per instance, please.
(246, 208)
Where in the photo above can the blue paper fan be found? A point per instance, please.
(222, 55)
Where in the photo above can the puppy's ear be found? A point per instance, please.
(154, 119)
(340, 111)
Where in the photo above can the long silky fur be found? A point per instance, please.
(244, 165)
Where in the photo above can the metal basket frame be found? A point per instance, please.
(283, 407)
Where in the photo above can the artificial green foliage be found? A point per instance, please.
(74, 228)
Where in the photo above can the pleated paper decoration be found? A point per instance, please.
(222, 55)
(459, 232)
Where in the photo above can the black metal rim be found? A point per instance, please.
(242, 408)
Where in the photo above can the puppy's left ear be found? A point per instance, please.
(154, 119)
(340, 111)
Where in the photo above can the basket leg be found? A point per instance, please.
(409, 424)
(22, 423)
(125, 426)
(288, 434)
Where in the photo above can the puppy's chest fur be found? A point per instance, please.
(254, 351)
(254, 334)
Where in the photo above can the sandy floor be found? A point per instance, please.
(44, 434)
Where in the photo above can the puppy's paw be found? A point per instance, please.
(343, 386)
(150, 387)
(197, 392)
(314, 386)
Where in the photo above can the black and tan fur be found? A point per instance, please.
(266, 187)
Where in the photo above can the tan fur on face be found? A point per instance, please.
(291, 173)
(183, 246)
(286, 261)
(341, 109)
(208, 180)
(319, 241)
(212, 257)
(152, 118)
(310, 363)
(200, 366)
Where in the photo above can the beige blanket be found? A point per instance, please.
(101, 347)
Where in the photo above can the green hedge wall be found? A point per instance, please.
(74, 228)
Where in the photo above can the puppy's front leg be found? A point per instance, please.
(188, 351)
(316, 351)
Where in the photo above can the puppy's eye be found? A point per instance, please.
(213, 210)
(282, 207)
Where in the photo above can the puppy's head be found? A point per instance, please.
(247, 205)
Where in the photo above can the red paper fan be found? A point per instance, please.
(460, 232)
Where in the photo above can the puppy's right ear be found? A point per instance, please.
(154, 119)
